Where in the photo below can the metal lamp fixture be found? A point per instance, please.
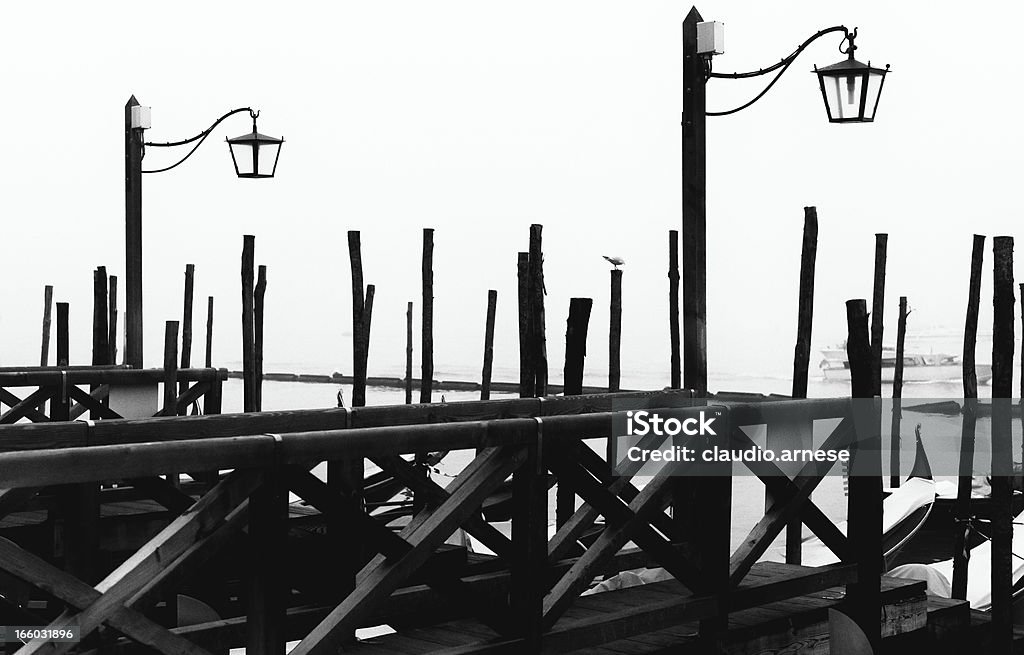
(254, 154)
(850, 88)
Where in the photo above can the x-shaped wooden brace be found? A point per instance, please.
(424, 533)
(187, 541)
(790, 498)
(625, 522)
(26, 408)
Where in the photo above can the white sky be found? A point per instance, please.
(477, 119)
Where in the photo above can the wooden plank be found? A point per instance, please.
(427, 530)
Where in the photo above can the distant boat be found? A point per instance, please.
(917, 367)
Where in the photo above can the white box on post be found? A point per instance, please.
(711, 38)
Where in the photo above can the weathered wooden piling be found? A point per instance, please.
(248, 324)
(186, 322)
(805, 310)
(526, 375)
(62, 334)
(427, 318)
(1002, 446)
(259, 298)
(1021, 396)
(897, 397)
(485, 376)
(44, 356)
(360, 320)
(615, 330)
(100, 331)
(209, 331)
(170, 385)
(969, 421)
(878, 311)
(865, 497)
(408, 353)
(576, 327)
(673, 307)
(539, 348)
(112, 320)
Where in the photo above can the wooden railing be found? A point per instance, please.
(371, 575)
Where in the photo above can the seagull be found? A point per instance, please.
(615, 261)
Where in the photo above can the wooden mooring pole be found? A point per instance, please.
(1002, 446)
(248, 325)
(112, 320)
(44, 356)
(427, 319)
(526, 376)
(673, 307)
(969, 421)
(576, 327)
(209, 332)
(865, 497)
(259, 298)
(538, 347)
(186, 322)
(485, 376)
(615, 330)
(360, 321)
(897, 397)
(62, 334)
(878, 312)
(100, 330)
(408, 353)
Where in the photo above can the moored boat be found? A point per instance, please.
(917, 367)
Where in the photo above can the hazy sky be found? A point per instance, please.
(478, 119)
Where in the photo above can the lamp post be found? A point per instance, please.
(850, 90)
(254, 156)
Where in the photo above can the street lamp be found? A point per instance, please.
(254, 156)
(850, 90)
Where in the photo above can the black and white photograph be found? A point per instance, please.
(466, 328)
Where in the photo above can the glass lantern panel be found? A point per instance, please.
(873, 91)
(844, 95)
(242, 154)
(267, 154)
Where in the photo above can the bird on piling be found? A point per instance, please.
(615, 261)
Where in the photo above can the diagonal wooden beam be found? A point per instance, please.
(192, 394)
(28, 406)
(9, 399)
(565, 540)
(162, 552)
(163, 492)
(626, 522)
(11, 500)
(785, 508)
(88, 402)
(78, 594)
(780, 486)
(425, 533)
(436, 494)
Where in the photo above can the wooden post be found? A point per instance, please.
(408, 353)
(133, 139)
(878, 311)
(969, 421)
(1002, 446)
(248, 325)
(427, 320)
(100, 329)
(112, 320)
(529, 546)
(572, 375)
(797, 435)
(673, 306)
(1021, 398)
(186, 321)
(358, 302)
(485, 376)
(897, 397)
(258, 303)
(539, 348)
(526, 376)
(695, 357)
(170, 406)
(268, 591)
(62, 334)
(44, 357)
(865, 496)
(209, 332)
(615, 330)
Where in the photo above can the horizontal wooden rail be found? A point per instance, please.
(51, 375)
